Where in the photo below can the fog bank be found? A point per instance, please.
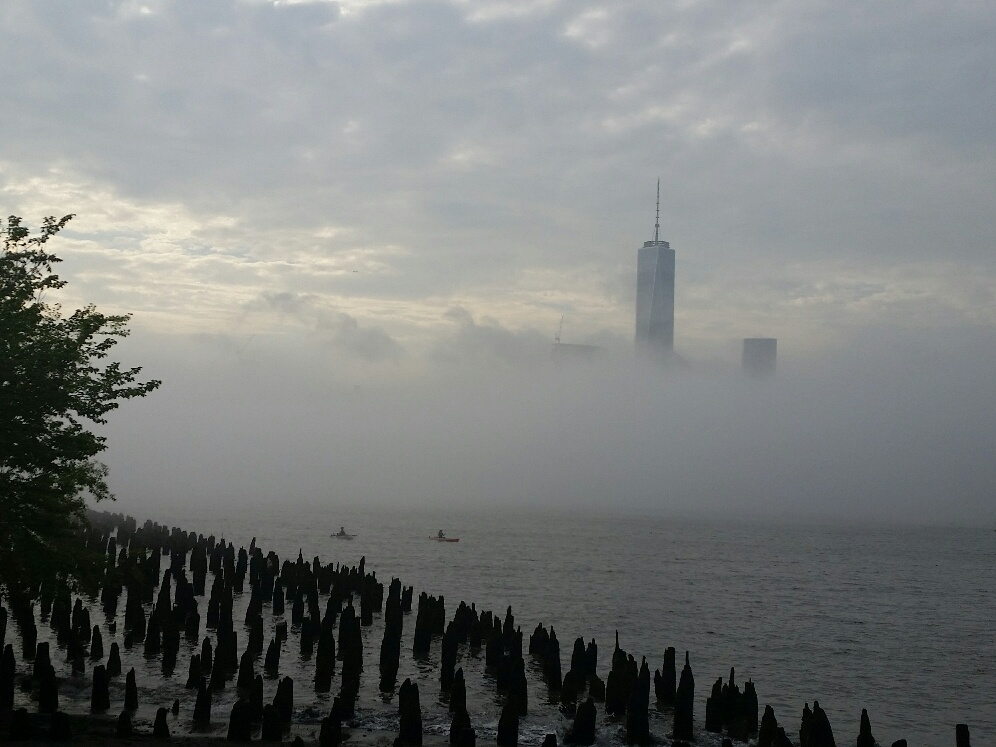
(901, 428)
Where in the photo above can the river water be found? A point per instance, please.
(896, 620)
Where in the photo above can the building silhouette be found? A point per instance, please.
(760, 356)
(655, 294)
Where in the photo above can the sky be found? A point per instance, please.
(305, 201)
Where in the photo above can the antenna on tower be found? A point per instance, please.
(560, 328)
(657, 223)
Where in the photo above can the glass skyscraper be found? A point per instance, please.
(655, 294)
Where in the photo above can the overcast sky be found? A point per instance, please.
(377, 189)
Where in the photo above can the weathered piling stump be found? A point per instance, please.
(962, 736)
(460, 722)
(458, 693)
(48, 690)
(517, 692)
(638, 707)
(272, 730)
(745, 713)
(325, 663)
(390, 647)
(591, 658)
(202, 706)
(114, 661)
(8, 670)
(351, 650)
(865, 738)
(255, 644)
(240, 722)
(100, 698)
(684, 703)
(714, 708)
(769, 728)
(247, 672)
(123, 728)
(815, 730)
(448, 657)
(218, 678)
(538, 640)
(571, 689)
(284, 700)
(160, 729)
(665, 679)
(550, 740)
(410, 714)
(619, 682)
(207, 655)
(192, 625)
(96, 644)
(308, 632)
(153, 636)
(582, 731)
(277, 607)
(596, 688)
(76, 652)
(131, 691)
(551, 661)
(330, 734)
(508, 724)
(423, 625)
(271, 663)
(194, 672)
(256, 698)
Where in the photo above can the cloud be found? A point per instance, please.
(823, 166)
(488, 344)
(337, 329)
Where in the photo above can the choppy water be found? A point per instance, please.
(896, 620)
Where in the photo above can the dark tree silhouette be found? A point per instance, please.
(55, 385)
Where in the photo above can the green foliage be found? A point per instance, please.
(55, 384)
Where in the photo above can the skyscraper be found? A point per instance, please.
(655, 293)
(760, 354)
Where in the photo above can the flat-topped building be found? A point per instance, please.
(760, 356)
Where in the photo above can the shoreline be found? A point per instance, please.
(172, 554)
(91, 729)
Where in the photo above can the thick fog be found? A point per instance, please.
(346, 231)
(901, 428)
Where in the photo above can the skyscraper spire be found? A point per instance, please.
(657, 223)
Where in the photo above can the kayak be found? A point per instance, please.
(342, 536)
(445, 539)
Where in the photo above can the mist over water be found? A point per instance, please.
(893, 431)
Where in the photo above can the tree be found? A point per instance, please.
(56, 384)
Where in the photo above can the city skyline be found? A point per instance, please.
(391, 182)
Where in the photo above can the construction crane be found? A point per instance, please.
(560, 328)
